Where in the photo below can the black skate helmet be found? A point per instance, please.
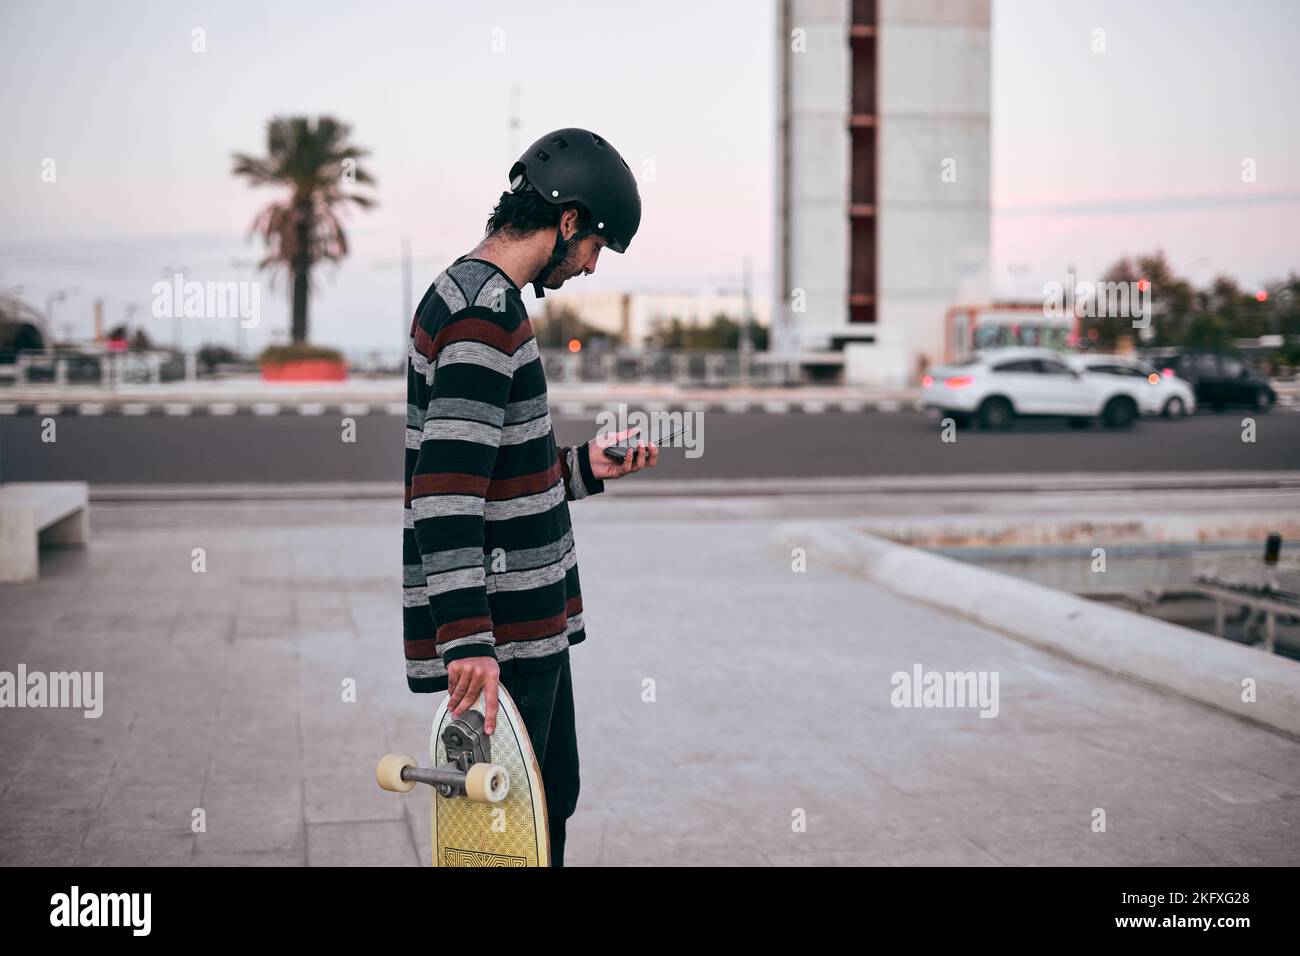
(576, 165)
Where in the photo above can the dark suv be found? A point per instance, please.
(1219, 378)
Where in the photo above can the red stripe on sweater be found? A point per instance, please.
(483, 330)
(449, 483)
(532, 484)
(424, 649)
(530, 630)
(454, 630)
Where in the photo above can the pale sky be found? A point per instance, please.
(1094, 154)
(1141, 147)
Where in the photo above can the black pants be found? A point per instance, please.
(545, 701)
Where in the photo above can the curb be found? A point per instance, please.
(991, 484)
(559, 408)
(390, 491)
(120, 409)
(1192, 665)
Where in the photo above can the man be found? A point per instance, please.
(491, 594)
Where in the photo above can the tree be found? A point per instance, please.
(560, 324)
(723, 332)
(1183, 315)
(316, 161)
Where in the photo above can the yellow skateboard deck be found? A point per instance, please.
(489, 806)
(510, 833)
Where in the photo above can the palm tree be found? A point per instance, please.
(316, 161)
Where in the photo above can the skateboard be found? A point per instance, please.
(489, 808)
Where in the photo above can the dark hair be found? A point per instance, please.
(525, 212)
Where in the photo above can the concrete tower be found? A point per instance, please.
(882, 178)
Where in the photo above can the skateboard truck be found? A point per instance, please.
(469, 771)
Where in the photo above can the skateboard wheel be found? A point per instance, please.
(487, 783)
(389, 772)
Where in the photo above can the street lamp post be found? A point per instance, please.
(1017, 270)
(746, 342)
(60, 296)
(178, 309)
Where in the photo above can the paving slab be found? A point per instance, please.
(770, 737)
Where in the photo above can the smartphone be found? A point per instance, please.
(618, 453)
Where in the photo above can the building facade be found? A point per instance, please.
(883, 172)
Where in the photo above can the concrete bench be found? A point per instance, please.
(33, 513)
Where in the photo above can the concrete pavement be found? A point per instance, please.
(1198, 666)
(772, 701)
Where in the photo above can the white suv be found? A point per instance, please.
(996, 386)
(1157, 394)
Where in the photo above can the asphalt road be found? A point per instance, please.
(290, 448)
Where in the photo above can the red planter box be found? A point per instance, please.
(305, 370)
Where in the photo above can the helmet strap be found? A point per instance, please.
(558, 252)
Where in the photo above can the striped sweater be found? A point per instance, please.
(489, 566)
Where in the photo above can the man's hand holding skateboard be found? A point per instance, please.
(470, 676)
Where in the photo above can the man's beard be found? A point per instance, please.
(565, 269)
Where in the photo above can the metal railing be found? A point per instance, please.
(696, 367)
(105, 369)
(714, 368)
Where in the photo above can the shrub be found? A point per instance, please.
(298, 352)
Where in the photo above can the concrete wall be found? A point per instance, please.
(933, 240)
(817, 148)
(933, 236)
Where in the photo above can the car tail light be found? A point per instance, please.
(1153, 378)
(1167, 372)
(958, 381)
(927, 381)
